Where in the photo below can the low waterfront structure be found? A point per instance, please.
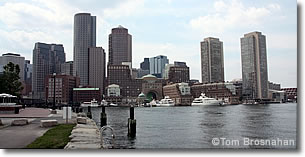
(180, 93)
(86, 94)
(225, 91)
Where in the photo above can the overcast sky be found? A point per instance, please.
(158, 27)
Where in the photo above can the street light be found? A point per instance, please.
(54, 107)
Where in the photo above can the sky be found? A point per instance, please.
(173, 28)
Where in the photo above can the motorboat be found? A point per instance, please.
(92, 103)
(113, 105)
(203, 100)
(166, 102)
(104, 103)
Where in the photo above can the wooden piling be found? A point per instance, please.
(132, 124)
(103, 118)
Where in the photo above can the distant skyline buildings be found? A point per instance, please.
(47, 59)
(254, 65)
(157, 65)
(14, 58)
(84, 37)
(120, 46)
(212, 60)
(97, 63)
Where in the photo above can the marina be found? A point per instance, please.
(196, 126)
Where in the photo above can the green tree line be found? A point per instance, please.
(10, 80)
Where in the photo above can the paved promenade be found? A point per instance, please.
(21, 136)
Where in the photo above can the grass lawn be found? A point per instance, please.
(55, 138)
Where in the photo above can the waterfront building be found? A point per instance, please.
(145, 64)
(254, 66)
(277, 96)
(47, 59)
(180, 93)
(292, 93)
(86, 94)
(16, 59)
(121, 75)
(113, 94)
(64, 85)
(120, 46)
(157, 65)
(274, 86)
(97, 64)
(212, 62)
(225, 91)
(152, 87)
(67, 68)
(84, 38)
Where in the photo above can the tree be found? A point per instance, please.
(10, 80)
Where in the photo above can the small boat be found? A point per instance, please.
(92, 103)
(104, 103)
(113, 105)
(206, 101)
(166, 102)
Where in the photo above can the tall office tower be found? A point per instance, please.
(67, 68)
(97, 63)
(14, 58)
(120, 46)
(254, 65)
(84, 37)
(157, 65)
(212, 64)
(47, 59)
(145, 64)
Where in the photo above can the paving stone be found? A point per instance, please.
(81, 120)
(20, 122)
(48, 123)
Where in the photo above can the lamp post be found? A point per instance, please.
(54, 107)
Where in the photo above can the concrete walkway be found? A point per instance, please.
(21, 136)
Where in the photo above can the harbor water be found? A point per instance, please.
(266, 126)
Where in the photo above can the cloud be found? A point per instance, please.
(125, 9)
(232, 16)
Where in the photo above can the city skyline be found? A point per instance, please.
(174, 37)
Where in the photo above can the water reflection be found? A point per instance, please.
(195, 127)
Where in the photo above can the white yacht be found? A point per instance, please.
(166, 102)
(104, 103)
(206, 101)
(92, 103)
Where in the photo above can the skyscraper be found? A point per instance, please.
(157, 65)
(212, 64)
(120, 46)
(47, 59)
(84, 37)
(254, 65)
(97, 63)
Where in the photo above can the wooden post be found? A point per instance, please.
(103, 117)
(132, 124)
(89, 115)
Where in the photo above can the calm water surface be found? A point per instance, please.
(196, 126)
